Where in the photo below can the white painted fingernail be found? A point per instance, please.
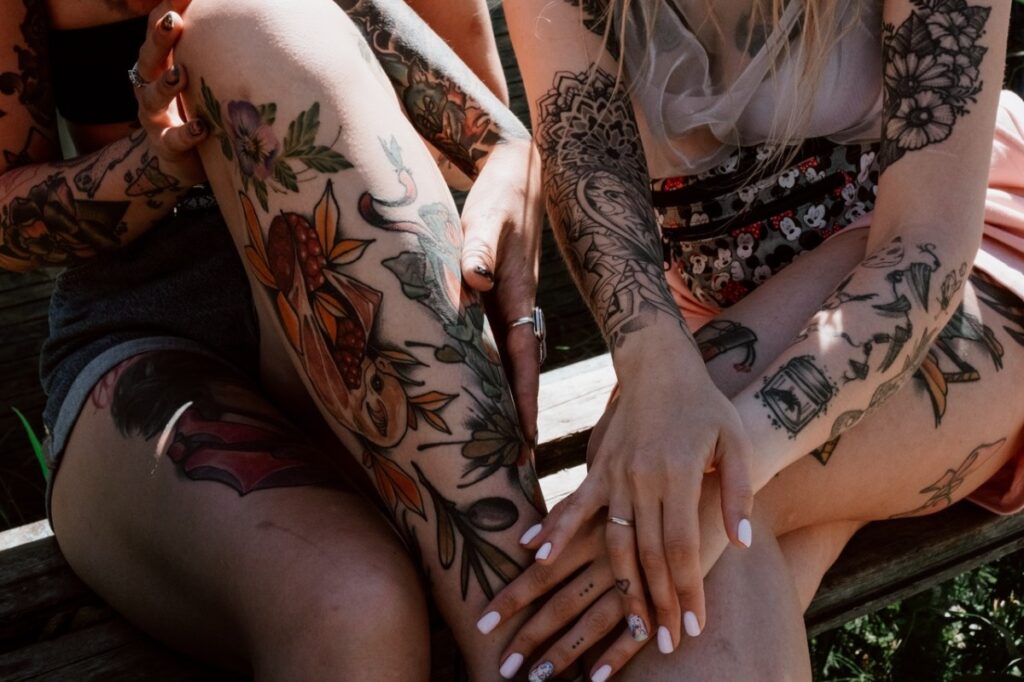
(511, 665)
(637, 627)
(601, 674)
(542, 672)
(530, 534)
(544, 552)
(664, 640)
(488, 622)
(691, 624)
(745, 533)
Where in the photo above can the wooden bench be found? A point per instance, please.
(53, 627)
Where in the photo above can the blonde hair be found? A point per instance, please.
(817, 33)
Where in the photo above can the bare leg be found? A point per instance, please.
(755, 625)
(210, 527)
(353, 242)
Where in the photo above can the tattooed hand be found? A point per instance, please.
(172, 141)
(502, 222)
(649, 453)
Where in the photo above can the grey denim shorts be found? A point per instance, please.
(181, 287)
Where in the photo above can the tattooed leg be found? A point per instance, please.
(195, 508)
(353, 243)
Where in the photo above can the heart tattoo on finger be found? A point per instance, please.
(623, 585)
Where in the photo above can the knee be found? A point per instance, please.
(341, 618)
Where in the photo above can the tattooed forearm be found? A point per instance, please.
(66, 212)
(943, 492)
(932, 65)
(598, 197)
(31, 84)
(446, 103)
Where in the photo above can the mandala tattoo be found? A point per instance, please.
(598, 198)
(932, 74)
(941, 492)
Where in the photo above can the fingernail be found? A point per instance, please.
(601, 674)
(544, 552)
(511, 665)
(664, 640)
(530, 534)
(196, 127)
(745, 532)
(484, 272)
(173, 76)
(691, 624)
(637, 627)
(167, 23)
(542, 672)
(488, 622)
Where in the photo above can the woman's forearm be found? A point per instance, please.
(868, 338)
(62, 213)
(450, 107)
(598, 196)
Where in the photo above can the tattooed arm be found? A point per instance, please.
(60, 213)
(943, 62)
(647, 462)
(445, 101)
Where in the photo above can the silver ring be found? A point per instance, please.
(136, 78)
(540, 330)
(619, 521)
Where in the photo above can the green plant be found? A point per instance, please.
(37, 447)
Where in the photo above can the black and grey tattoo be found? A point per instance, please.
(599, 201)
(797, 393)
(596, 18)
(1003, 301)
(941, 492)
(31, 84)
(932, 74)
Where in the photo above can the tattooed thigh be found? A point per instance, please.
(209, 421)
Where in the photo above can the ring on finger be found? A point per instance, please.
(136, 78)
(540, 330)
(620, 521)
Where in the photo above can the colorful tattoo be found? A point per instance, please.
(50, 226)
(598, 197)
(932, 73)
(432, 87)
(211, 436)
(264, 162)
(489, 515)
(941, 492)
(721, 336)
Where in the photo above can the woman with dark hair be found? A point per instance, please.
(775, 212)
(218, 421)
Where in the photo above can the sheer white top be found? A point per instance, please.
(689, 74)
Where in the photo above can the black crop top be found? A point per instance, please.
(90, 71)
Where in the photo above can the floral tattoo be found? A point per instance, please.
(246, 135)
(932, 64)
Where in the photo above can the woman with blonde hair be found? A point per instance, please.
(801, 228)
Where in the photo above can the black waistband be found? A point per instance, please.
(90, 71)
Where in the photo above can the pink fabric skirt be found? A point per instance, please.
(1001, 255)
